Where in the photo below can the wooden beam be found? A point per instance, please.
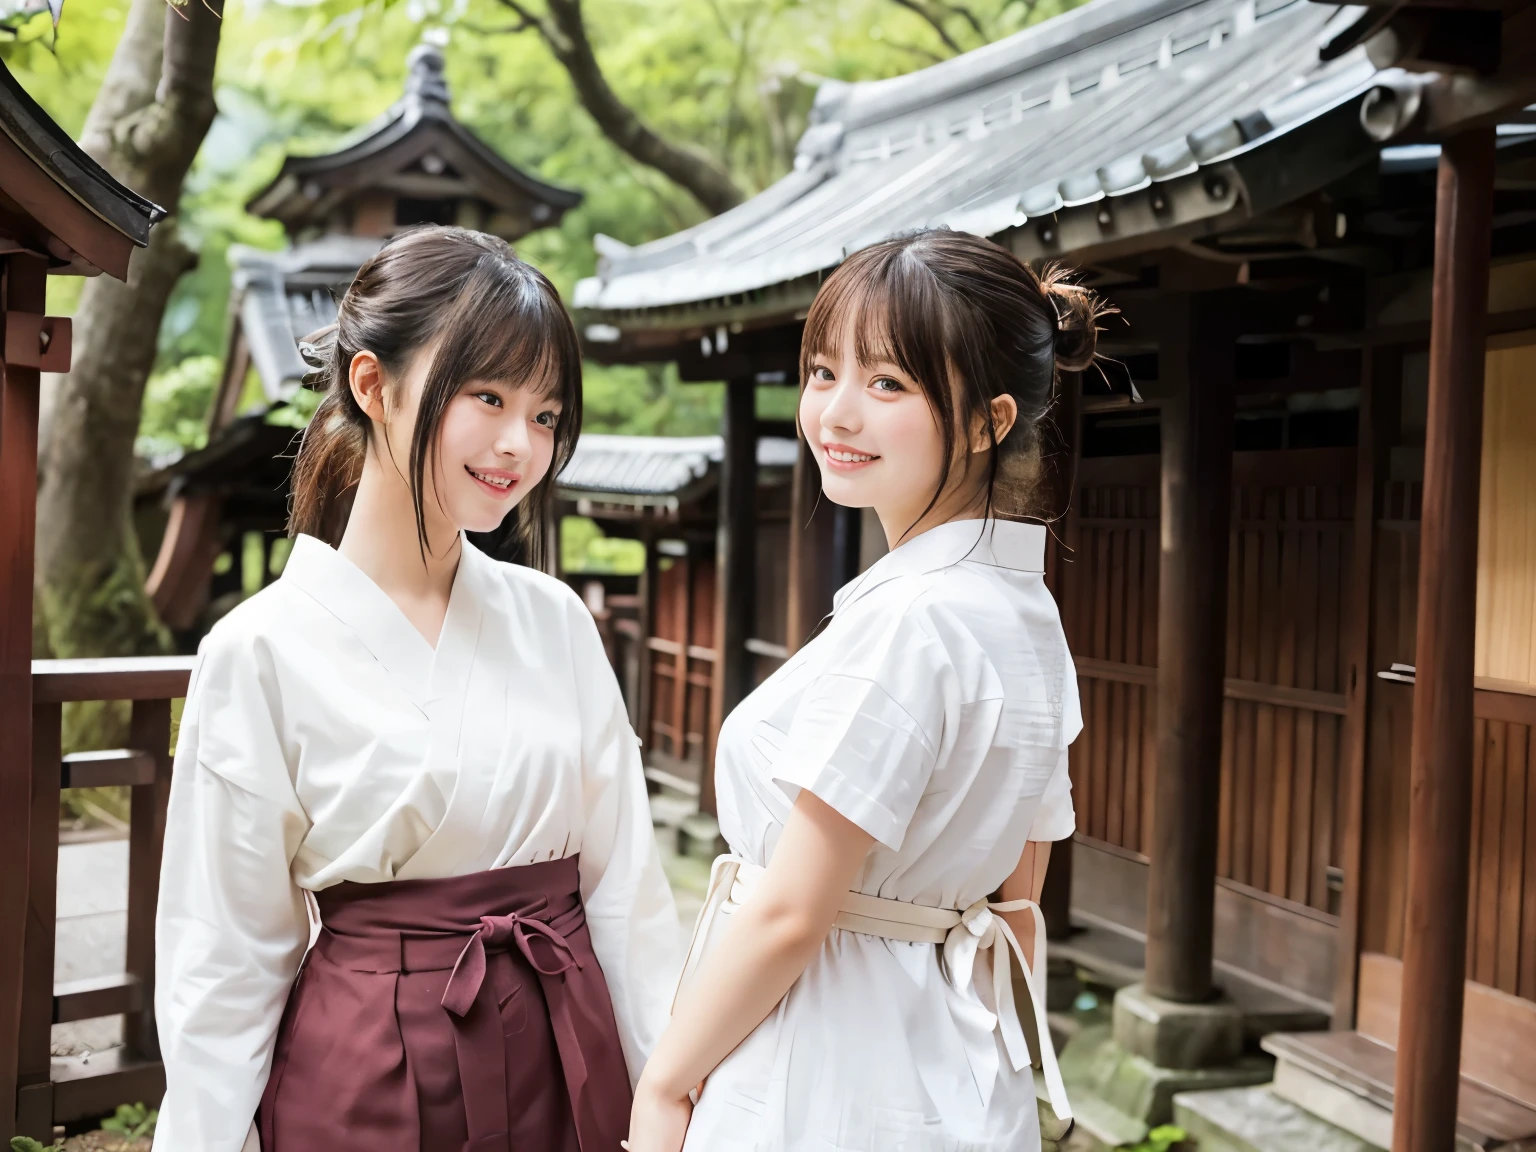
(25, 279)
(149, 732)
(178, 583)
(735, 566)
(648, 582)
(1061, 445)
(1198, 348)
(1440, 765)
(34, 1061)
(1381, 379)
(682, 612)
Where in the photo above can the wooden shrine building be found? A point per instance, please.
(664, 491)
(415, 164)
(60, 213)
(1319, 226)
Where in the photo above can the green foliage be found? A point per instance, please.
(1160, 1139)
(133, 1121)
(584, 549)
(27, 1144)
(174, 418)
(735, 78)
(295, 413)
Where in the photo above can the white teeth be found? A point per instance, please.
(848, 457)
(499, 481)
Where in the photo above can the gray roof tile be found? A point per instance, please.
(1098, 102)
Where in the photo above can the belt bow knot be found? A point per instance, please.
(495, 933)
(962, 933)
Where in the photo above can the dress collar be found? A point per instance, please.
(347, 592)
(998, 543)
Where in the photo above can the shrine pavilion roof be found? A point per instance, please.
(1098, 129)
(418, 153)
(55, 199)
(657, 469)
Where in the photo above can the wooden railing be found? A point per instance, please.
(64, 1090)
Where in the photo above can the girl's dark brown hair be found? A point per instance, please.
(491, 318)
(969, 322)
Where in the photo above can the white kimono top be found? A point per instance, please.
(324, 740)
(934, 712)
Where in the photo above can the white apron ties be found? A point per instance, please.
(962, 933)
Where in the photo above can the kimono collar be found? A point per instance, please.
(998, 543)
(349, 594)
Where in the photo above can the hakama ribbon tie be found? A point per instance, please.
(494, 933)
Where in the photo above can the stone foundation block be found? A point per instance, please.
(1177, 1036)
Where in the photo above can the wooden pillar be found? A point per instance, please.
(149, 731)
(24, 290)
(1196, 361)
(1061, 444)
(645, 694)
(813, 554)
(1381, 378)
(682, 611)
(1440, 796)
(735, 565)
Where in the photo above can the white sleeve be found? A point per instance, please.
(630, 911)
(1055, 819)
(232, 926)
(865, 736)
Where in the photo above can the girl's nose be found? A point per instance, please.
(512, 439)
(842, 410)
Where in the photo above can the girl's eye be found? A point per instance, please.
(548, 419)
(821, 372)
(489, 398)
(886, 384)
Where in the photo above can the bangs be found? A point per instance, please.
(506, 325)
(507, 330)
(891, 306)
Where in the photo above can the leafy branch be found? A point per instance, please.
(563, 29)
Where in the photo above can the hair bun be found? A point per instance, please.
(1078, 311)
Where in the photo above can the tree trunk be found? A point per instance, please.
(145, 127)
(564, 30)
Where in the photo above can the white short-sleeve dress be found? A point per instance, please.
(934, 711)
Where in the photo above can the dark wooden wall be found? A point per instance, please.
(1501, 896)
(1282, 737)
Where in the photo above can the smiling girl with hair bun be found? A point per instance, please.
(891, 792)
(423, 752)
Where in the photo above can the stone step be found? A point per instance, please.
(1347, 1079)
(1254, 1119)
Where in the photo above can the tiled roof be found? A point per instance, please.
(284, 296)
(1104, 101)
(657, 466)
(422, 148)
(48, 146)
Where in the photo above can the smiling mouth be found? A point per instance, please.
(843, 457)
(501, 483)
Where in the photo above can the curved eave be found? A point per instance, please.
(1210, 198)
(97, 221)
(408, 131)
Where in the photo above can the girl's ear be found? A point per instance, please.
(366, 376)
(1004, 414)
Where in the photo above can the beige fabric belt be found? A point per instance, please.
(961, 933)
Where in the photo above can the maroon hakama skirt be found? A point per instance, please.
(438, 1015)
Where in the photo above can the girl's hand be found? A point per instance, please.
(657, 1123)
